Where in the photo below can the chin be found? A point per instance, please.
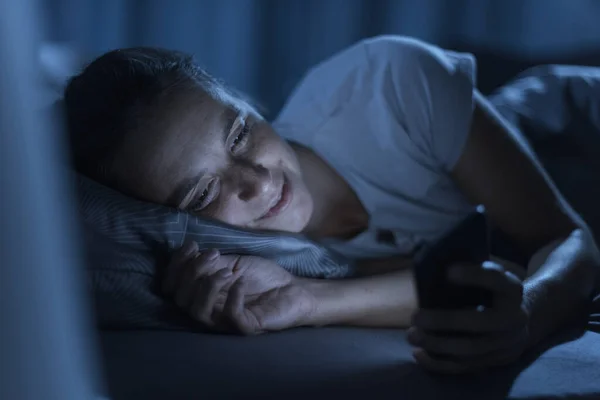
(300, 219)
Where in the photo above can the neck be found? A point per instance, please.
(337, 212)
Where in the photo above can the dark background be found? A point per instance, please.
(263, 47)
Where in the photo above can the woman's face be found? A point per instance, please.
(218, 159)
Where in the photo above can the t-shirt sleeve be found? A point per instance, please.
(324, 90)
(430, 90)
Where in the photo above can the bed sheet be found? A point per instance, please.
(338, 362)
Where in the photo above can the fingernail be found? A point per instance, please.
(211, 254)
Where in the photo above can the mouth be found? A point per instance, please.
(282, 201)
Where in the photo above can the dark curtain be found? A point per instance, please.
(263, 47)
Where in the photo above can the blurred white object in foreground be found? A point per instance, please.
(46, 347)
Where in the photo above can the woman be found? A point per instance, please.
(388, 136)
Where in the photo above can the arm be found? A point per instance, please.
(385, 301)
(497, 170)
(560, 283)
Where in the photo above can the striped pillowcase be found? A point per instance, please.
(128, 241)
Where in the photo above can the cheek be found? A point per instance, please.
(272, 150)
(232, 213)
(241, 214)
(302, 203)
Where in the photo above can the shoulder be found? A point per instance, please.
(411, 52)
(415, 68)
(407, 82)
(360, 68)
(327, 86)
(356, 66)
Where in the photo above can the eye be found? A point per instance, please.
(241, 138)
(205, 197)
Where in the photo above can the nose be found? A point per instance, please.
(253, 180)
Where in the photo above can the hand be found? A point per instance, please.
(495, 336)
(202, 282)
(275, 309)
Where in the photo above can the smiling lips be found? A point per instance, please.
(282, 202)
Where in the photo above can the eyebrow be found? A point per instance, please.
(229, 117)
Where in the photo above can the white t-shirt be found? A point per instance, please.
(391, 115)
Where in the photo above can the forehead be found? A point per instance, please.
(180, 139)
(202, 115)
(196, 118)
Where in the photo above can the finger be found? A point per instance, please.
(207, 263)
(235, 312)
(206, 294)
(489, 275)
(178, 260)
(507, 288)
(517, 270)
(203, 264)
(468, 321)
(457, 346)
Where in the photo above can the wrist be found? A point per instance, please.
(326, 297)
(550, 306)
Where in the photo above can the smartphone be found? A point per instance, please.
(467, 242)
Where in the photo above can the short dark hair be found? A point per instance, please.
(115, 93)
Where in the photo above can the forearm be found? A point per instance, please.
(561, 282)
(385, 301)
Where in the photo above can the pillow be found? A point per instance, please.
(128, 241)
(557, 110)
